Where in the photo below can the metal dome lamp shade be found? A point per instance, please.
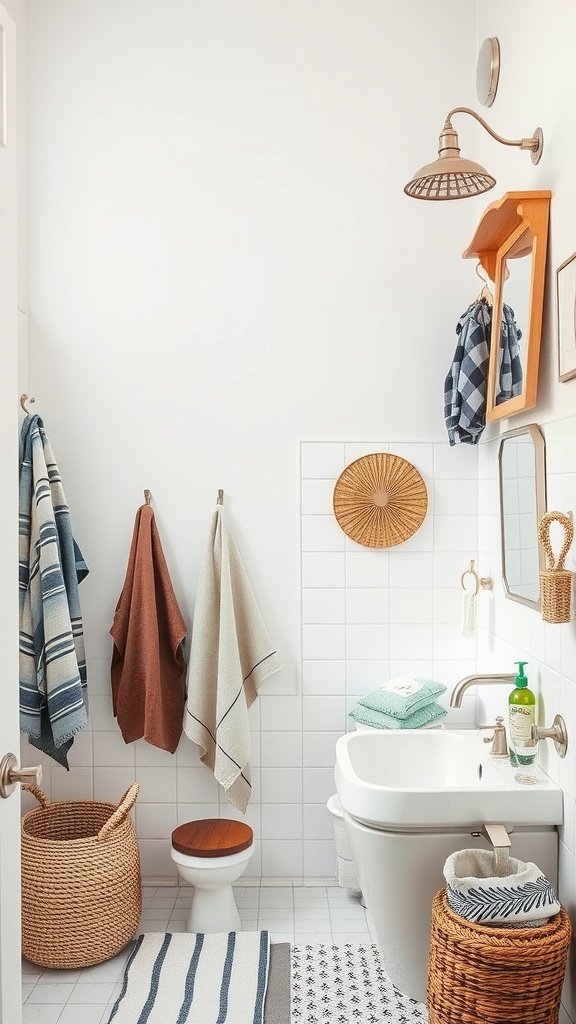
(453, 177)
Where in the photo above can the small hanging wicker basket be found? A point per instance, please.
(555, 580)
(81, 894)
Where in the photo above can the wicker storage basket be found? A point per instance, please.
(481, 975)
(81, 892)
(555, 580)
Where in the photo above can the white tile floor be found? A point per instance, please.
(303, 914)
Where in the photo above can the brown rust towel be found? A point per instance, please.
(148, 667)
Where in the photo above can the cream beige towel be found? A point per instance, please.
(231, 655)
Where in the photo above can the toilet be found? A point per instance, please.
(211, 854)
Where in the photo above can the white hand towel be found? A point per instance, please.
(468, 613)
(230, 657)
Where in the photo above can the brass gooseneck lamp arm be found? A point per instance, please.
(534, 143)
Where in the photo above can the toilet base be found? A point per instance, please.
(213, 906)
(213, 910)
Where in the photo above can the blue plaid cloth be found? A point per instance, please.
(52, 660)
(510, 369)
(465, 387)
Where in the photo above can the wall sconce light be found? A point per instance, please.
(453, 177)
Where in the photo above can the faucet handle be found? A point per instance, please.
(498, 739)
(499, 725)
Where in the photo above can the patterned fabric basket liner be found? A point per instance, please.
(522, 898)
(81, 888)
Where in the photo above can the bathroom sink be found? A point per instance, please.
(436, 778)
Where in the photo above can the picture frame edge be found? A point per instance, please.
(568, 374)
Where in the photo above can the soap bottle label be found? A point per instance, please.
(521, 722)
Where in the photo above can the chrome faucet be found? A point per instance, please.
(487, 680)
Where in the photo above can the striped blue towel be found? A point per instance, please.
(52, 659)
(187, 978)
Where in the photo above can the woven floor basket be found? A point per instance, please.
(81, 892)
(481, 975)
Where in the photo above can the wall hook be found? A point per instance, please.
(220, 500)
(147, 496)
(23, 400)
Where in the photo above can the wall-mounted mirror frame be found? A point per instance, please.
(498, 239)
(539, 508)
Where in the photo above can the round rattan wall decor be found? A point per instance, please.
(380, 500)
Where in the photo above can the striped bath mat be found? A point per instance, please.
(195, 979)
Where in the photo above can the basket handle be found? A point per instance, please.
(544, 535)
(124, 807)
(40, 795)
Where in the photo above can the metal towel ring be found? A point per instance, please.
(486, 582)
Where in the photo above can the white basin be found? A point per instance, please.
(405, 780)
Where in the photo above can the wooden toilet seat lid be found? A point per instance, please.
(212, 837)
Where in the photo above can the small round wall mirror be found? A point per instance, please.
(488, 71)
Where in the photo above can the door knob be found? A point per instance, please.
(11, 774)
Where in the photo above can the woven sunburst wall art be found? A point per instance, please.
(380, 500)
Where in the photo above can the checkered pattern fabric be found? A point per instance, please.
(510, 375)
(466, 384)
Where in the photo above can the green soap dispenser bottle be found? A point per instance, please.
(521, 713)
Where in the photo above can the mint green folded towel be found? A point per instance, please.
(379, 720)
(403, 697)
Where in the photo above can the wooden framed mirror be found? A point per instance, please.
(511, 242)
(522, 480)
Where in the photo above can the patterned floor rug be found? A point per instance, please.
(347, 985)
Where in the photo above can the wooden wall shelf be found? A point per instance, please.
(500, 220)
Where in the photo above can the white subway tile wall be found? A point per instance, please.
(509, 631)
(373, 614)
(366, 615)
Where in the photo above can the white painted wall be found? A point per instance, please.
(537, 88)
(17, 10)
(222, 262)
